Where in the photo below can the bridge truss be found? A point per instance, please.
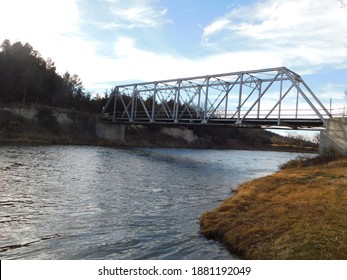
(265, 97)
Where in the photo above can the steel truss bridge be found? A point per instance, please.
(261, 98)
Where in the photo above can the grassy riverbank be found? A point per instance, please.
(296, 213)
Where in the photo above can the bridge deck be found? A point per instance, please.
(254, 123)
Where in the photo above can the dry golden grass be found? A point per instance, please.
(297, 213)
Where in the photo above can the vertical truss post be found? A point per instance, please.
(204, 120)
(259, 93)
(154, 102)
(177, 101)
(226, 102)
(133, 105)
(240, 99)
(280, 101)
(115, 105)
(199, 102)
(136, 105)
(297, 104)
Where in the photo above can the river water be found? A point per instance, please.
(76, 202)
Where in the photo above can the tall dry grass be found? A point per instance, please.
(297, 213)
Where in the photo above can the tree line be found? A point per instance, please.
(27, 78)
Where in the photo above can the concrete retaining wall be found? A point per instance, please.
(334, 137)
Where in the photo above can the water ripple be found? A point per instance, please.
(73, 202)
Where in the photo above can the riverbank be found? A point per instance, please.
(296, 213)
(47, 125)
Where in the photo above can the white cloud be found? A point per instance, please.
(53, 28)
(333, 91)
(38, 18)
(216, 26)
(304, 33)
(50, 27)
(134, 14)
(133, 63)
(140, 16)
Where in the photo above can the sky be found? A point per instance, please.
(113, 42)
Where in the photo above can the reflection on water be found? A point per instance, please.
(71, 202)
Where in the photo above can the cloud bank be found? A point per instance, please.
(305, 36)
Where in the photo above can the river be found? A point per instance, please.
(81, 202)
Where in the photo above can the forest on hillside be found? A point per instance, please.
(27, 78)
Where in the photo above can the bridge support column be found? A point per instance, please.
(334, 138)
(110, 131)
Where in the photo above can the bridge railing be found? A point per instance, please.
(340, 112)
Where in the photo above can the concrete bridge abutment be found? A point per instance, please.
(110, 131)
(334, 138)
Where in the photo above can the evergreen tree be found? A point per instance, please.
(25, 77)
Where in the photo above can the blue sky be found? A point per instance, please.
(109, 42)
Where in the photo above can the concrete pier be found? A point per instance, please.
(334, 137)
